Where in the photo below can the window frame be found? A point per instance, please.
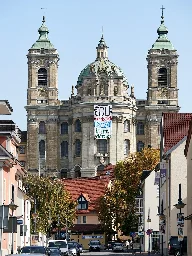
(102, 148)
(64, 149)
(78, 126)
(64, 128)
(139, 142)
(140, 128)
(126, 147)
(77, 148)
(22, 149)
(42, 77)
(42, 127)
(162, 77)
(82, 203)
(42, 156)
(127, 125)
(84, 219)
(63, 171)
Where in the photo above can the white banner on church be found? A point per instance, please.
(102, 121)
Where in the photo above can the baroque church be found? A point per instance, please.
(61, 138)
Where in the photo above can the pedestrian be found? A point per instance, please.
(127, 244)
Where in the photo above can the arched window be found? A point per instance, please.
(162, 77)
(77, 171)
(115, 90)
(42, 77)
(102, 146)
(63, 173)
(140, 146)
(127, 126)
(64, 149)
(140, 128)
(77, 148)
(64, 128)
(42, 127)
(126, 147)
(77, 126)
(89, 91)
(42, 149)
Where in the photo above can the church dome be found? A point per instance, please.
(102, 65)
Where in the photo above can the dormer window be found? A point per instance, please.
(82, 203)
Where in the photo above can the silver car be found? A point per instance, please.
(118, 247)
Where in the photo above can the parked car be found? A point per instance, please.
(118, 247)
(74, 248)
(110, 245)
(34, 249)
(53, 251)
(94, 245)
(80, 248)
(61, 244)
(174, 245)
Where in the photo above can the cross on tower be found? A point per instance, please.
(162, 8)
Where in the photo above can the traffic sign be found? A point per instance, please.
(19, 222)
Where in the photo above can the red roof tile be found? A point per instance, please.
(91, 188)
(175, 128)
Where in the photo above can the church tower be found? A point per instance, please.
(162, 92)
(42, 104)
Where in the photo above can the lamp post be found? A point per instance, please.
(13, 207)
(162, 222)
(180, 205)
(149, 221)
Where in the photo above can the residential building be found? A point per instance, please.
(62, 139)
(11, 191)
(87, 191)
(188, 218)
(148, 204)
(174, 130)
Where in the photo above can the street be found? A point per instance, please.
(103, 253)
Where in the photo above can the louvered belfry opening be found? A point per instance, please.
(162, 77)
(42, 77)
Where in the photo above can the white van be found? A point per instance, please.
(62, 244)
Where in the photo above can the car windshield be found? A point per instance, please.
(71, 245)
(95, 243)
(117, 244)
(33, 249)
(60, 244)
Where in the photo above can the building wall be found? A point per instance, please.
(151, 203)
(90, 219)
(169, 191)
(189, 199)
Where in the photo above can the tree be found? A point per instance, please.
(53, 202)
(117, 207)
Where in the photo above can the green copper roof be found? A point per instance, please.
(102, 65)
(102, 43)
(162, 42)
(43, 41)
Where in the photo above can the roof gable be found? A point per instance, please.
(175, 128)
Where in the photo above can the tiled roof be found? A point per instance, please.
(175, 128)
(91, 188)
(188, 139)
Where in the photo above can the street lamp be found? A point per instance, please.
(162, 223)
(149, 232)
(12, 207)
(180, 205)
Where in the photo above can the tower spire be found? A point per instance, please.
(162, 41)
(162, 16)
(102, 48)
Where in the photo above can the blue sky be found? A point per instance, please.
(75, 28)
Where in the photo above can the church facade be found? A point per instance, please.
(62, 135)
